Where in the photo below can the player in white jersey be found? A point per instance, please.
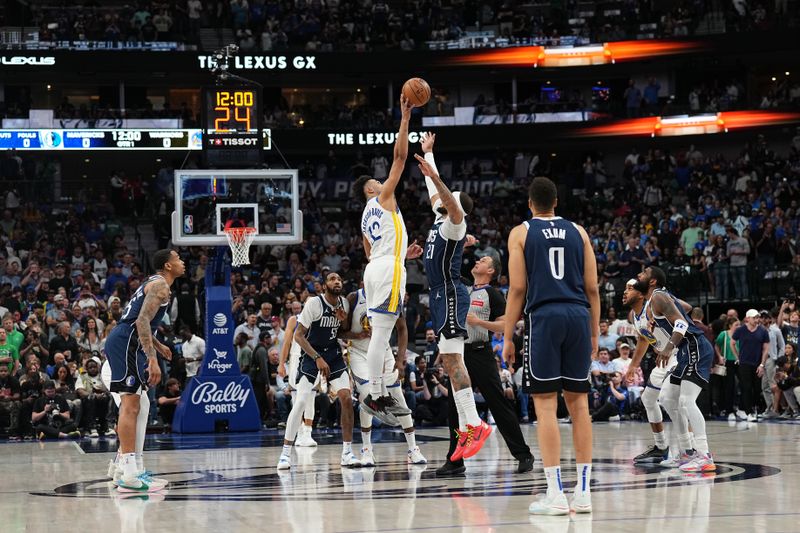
(358, 335)
(385, 242)
(649, 336)
(659, 389)
(292, 350)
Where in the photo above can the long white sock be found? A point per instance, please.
(378, 344)
(128, 463)
(661, 439)
(141, 422)
(139, 462)
(411, 440)
(366, 439)
(467, 412)
(584, 477)
(688, 402)
(347, 447)
(287, 450)
(308, 412)
(553, 476)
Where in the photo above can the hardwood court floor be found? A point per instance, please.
(228, 483)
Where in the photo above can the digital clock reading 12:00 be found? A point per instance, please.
(233, 111)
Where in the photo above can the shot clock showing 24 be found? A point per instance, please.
(232, 125)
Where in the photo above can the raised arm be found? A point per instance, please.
(387, 199)
(448, 200)
(517, 286)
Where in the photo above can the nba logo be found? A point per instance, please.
(188, 224)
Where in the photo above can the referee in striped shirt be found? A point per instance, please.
(486, 315)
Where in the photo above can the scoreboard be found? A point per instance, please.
(107, 139)
(232, 125)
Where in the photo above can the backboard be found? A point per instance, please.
(208, 201)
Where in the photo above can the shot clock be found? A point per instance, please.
(232, 126)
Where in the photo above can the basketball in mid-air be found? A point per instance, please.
(417, 91)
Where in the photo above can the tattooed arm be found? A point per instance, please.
(155, 296)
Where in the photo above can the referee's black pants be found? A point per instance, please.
(482, 369)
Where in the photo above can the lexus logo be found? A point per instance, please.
(28, 60)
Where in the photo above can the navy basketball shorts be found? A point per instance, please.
(449, 306)
(558, 349)
(695, 357)
(127, 361)
(308, 366)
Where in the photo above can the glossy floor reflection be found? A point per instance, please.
(229, 483)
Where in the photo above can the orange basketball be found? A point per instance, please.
(417, 91)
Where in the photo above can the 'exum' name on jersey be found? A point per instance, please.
(385, 231)
(554, 261)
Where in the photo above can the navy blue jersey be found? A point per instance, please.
(319, 318)
(554, 261)
(443, 253)
(134, 307)
(663, 323)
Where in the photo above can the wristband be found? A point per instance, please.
(680, 326)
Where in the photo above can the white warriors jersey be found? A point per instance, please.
(385, 231)
(359, 347)
(656, 336)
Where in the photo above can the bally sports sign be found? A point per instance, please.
(216, 400)
(219, 395)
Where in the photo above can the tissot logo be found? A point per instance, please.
(263, 62)
(28, 60)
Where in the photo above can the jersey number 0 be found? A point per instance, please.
(557, 262)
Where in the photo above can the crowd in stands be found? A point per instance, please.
(729, 222)
(365, 25)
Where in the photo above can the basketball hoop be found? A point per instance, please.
(239, 239)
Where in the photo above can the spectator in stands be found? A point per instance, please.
(738, 250)
(615, 400)
(753, 342)
(168, 401)
(193, 350)
(10, 403)
(250, 329)
(9, 356)
(244, 355)
(606, 339)
(777, 346)
(791, 328)
(259, 372)
(431, 352)
(64, 342)
(51, 416)
(633, 99)
(95, 400)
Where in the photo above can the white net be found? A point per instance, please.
(239, 239)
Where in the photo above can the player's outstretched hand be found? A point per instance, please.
(509, 353)
(405, 107)
(427, 141)
(153, 372)
(414, 251)
(424, 167)
(471, 241)
(323, 367)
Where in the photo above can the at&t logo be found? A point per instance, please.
(219, 321)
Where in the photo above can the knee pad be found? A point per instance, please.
(650, 402)
(364, 418)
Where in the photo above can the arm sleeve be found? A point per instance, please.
(453, 232)
(310, 313)
(497, 304)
